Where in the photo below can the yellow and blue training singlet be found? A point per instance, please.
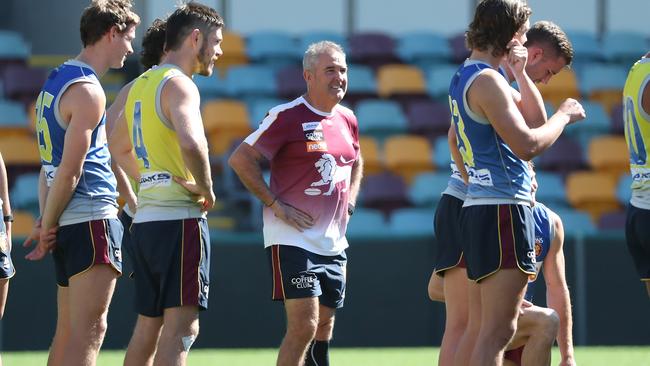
(637, 132)
(157, 150)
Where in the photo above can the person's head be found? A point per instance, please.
(113, 22)
(496, 23)
(153, 44)
(198, 28)
(325, 72)
(549, 51)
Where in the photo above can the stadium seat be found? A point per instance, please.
(564, 156)
(12, 115)
(624, 47)
(225, 121)
(22, 225)
(258, 108)
(234, 52)
(608, 154)
(576, 223)
(616, 121)
(459, 51)
(380, 118)
(12, 46)
(385, 192)
(438, 79)
(307, 38)
(24, 193)
(366, 223)
(426, 188)
(211, 87)
(603, 84)
(423, 49)
(400, 80)
(251, 81)
(372, 162)
(408, 156)
(22, 83)
(560, 87)
(585, 46)
(550, 191)
(406, 222)
(291, 82)
(592, 192)
(428, 118)
(624, 189)
(272, 48)
(20, 150)
(611, 221)
(372, 48)
(361, 83)
(596, 123)
(441, 155)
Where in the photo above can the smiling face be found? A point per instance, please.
(210, 51)
(121, 44)
(327, 80)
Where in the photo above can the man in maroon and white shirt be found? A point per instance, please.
(312, 144)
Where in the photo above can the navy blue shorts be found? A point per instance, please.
(7, 269)
(127, 248)
(449, 253)
(637, 235)
(83, 245)
(498, 237)
(171, 265)
(298, 273)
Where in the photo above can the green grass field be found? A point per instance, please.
(588, 356)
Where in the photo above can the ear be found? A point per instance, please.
(196, 38)
(535, 54)
(307, 75)
(113, 32)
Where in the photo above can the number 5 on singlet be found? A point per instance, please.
(463, 142)
(42, 129)
(138, 141)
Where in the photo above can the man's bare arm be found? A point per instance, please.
(355, 180)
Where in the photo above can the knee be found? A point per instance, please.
(550, 324)
(502, 335)
(304, 330)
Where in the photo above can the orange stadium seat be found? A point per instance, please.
(224, 122)
(408, 156)
(234, 52)
(608, 154)
(561, 86)
(20, 150)
(400, 80)
(593, 192)
(23, 224)
(372, 163)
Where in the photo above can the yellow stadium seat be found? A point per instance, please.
(400, 79)
(593, 192)
(608, 98)
(408, 156)
(370, 152)
(234, 52)
(561, 86)
(224, 122)
(22, 225)
(20, 149)
(608, 154)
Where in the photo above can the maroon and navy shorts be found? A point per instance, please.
(495, 237)
(514, 355)
(171, 265)
(449, 249)
(81, 246)
(298, 273)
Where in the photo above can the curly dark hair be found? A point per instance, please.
(551, 36)
(153, 44)
(495, 23)
(101, 15)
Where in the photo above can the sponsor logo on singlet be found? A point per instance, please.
(155, 179)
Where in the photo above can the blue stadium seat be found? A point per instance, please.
(623, 190)
(251, 81)
(596, 123)
(12, 46)
(258, 108)
(551, 191)
(380, 118)
(308, 38)
(423, 49)
(426, 189)
(210, 87)
(438, 79)
(585, 46)
(367, 223)
(576, 222)
(441, 154)
(594, 77)
(361, 81)
(12, 114)
(24, 194)
(272, 48)
(624, 47)
(412, 221)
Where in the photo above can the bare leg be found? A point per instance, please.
(89, 295)
(647, 287)
(4, 290)
(501, 295)
(62, 333)
(142, 346)
(325, 323)
(468, 340)
(540, 326)
(457, 311)
(180, 329)
(302, 323)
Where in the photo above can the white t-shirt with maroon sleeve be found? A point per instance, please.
(311, 154)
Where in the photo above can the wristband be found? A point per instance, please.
(8, 218)
(350, 209)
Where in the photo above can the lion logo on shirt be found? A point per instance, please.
(331, 173)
